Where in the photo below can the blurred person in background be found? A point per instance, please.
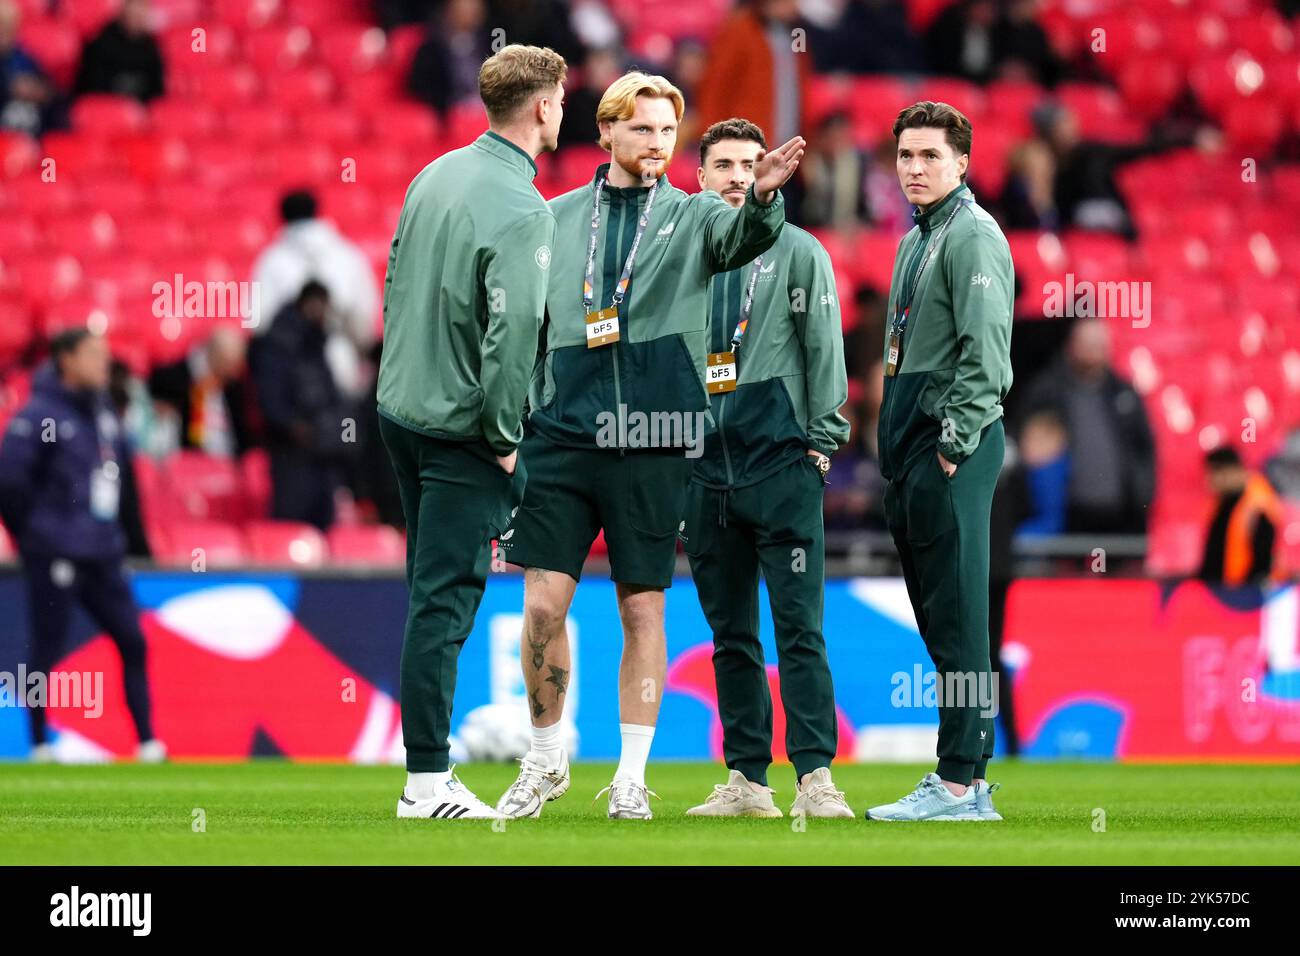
(854, 497)
(1028, 197)
(863, 36)
(754, 71)
(206, 392)
(124, 389)
(302, 409)
(1241, 540)
(960, 40)
(61, 497)
(1021, 48)
(541, 23)
(599, 69)
(310, 248)
(1010, 508)
(834, 173)
(1044, 451)
(444, 72)
(1087, 194)
(28, 101)
(1112, 451)
(123, 59)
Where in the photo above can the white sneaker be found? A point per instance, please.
(151, 751)
(43, 753)
(736, 798)
(931, 800)
(984, 800)
(536, 784)
(628, 800)
(451, 801)
(819, 798)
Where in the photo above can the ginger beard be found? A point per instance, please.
(642, 145)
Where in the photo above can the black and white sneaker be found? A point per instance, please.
(451, 801)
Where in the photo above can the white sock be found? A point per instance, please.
(422, 786)
(635, 752)
(546, 744)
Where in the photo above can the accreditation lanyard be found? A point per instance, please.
(746, 306)
(904, 305)
(602, 324)
(720, 373)
(106, 479)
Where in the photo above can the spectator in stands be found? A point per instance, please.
(1010, 507)
(754, 72)
(444, 72)
(834, 172)
(1112, 451)
(28, 101)
(960, 40)
(206, 391)
(61, 498)
(1021, 48)
(311, 248)
(1087, 195)
(123, 58)
(864, 36)
(302, 409)
(1045, 464)
(599, 70)
(1028, 197)
(537, 23)
(1242, 536)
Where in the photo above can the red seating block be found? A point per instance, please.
(367, 545)
(285, 543)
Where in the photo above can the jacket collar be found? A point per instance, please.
(623, 193)
(502, 148)
(939, 211)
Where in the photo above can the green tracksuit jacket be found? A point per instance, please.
(791, 376)
(955, 363)
(658, 363)
(464, 296)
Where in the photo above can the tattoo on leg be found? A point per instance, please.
(538, 709)
(538, 649)
(560, 678)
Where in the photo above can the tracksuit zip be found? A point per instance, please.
(622, 320)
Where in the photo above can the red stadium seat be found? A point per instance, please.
(244, 15)
(101, 114)
(216, 543)
(16, 330)
(367, 545)
(301, 88)
(83, 233)
(351, 48)
(285, 543)
(184, 118)
(76, 155)
(208, 486)
(19, 154)
(278, 47)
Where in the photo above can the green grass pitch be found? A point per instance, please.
(278, 812)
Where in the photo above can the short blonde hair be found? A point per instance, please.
(619, 101)
(510, 77)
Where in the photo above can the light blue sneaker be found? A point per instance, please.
(984, 800)
(929, 801)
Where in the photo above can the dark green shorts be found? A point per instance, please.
(572, 493)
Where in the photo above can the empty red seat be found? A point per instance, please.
(277, 47)
(367, 544)
(103, 114)
(184, 118)
(302, 87)
(285, 543)
(216, 544)
(351, 48)
(208, 486)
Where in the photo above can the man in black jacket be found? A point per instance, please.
(1113, 479)
(124, 58)
(302, 409)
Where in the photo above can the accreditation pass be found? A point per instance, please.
(602, 327)
(720, 372)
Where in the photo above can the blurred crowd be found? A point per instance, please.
(309, 367)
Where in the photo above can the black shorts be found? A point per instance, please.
(637, 498)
